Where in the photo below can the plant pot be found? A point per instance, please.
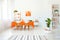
(48, 25)
(47, 29)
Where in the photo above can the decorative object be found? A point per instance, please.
(28, 13)
(36, 23)
(56, 11)
(48, 22)
(15, 11)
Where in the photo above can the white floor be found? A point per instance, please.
(34, 34)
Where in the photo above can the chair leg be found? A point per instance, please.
(24, 27)
(21, 27)
(28, 27)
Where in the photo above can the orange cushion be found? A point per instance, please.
(22, 23)
(13, 24)
(31, 24)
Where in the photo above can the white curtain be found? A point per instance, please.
(0, 14)
(6, 13)
(7, 10)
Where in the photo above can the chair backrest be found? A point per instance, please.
(17, 16)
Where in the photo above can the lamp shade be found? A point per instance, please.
(28, 13)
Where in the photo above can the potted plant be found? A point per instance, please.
(48, 22)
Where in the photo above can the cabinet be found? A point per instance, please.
(55, 15)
